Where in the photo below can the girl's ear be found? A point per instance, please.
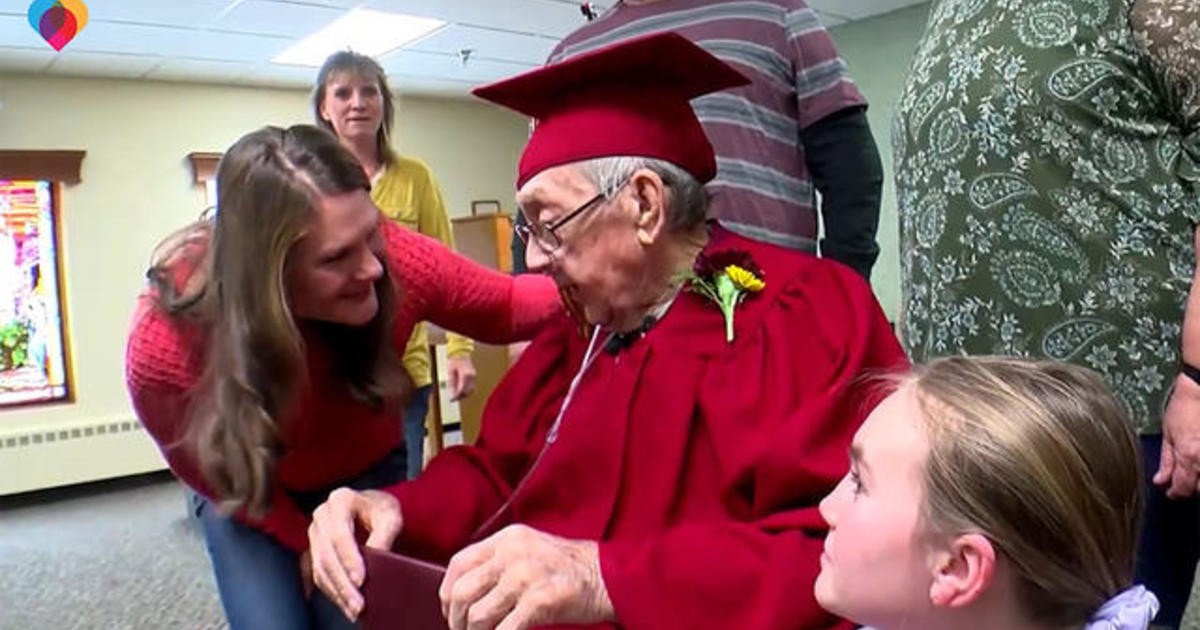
(962, 572)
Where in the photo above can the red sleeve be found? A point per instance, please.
(162, 365)
(756, 573)
(458, 294)
(465, 485)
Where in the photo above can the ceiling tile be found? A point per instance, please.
(15, 31)
(277, 18)
(176, 13)
(176, 42)
(553, 18)
(232, 41)
(25, 60)
(440, 66)
(78, 63)
(337, 4)
(489, 44)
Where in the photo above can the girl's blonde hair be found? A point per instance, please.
(1040, 458)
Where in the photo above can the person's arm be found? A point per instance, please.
(844, 162)
(1163, 36)
(462, 488)
(459, 294)
(839, 150)
(432, 220)
(1179, 464)
(160, 372)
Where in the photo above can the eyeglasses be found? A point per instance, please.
(545, 235)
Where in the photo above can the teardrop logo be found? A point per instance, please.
(58, 21)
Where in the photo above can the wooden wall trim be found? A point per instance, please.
(58, 166)
(204, 166)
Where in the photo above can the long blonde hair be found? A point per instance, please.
(1040, 458)
(255, 362)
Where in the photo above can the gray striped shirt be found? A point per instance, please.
(763, 188)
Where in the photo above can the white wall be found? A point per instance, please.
(137, 187)
(878, 51)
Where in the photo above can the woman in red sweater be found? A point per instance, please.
(264, 356)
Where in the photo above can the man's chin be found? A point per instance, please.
(597, 316)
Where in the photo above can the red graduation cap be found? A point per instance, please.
(630, 98)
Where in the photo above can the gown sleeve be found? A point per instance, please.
(463, 296)
(780, 454)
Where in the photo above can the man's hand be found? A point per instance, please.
(1179, 464)
(337, 566)
(460, 372)
(520, 578)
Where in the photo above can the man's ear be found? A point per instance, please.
(963, 571)
(650, 213)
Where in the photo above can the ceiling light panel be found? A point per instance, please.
(372, 33)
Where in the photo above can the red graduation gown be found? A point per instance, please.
(697, 464)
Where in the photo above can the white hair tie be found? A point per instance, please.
(1131, 609)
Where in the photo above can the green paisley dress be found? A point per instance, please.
(1047, 160)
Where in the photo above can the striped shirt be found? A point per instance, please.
(763, 188)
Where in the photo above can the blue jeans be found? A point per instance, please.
(414, 429)
(1170, 544)
(259, 579)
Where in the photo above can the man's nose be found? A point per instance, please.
(536, 258)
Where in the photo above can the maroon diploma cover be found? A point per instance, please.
(401, 593)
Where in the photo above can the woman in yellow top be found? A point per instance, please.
(352, 99)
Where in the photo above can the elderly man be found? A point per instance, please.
(661, 470)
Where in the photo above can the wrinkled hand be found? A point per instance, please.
(337, 566)
(1179, 464)
(460, 372)
(520, 578)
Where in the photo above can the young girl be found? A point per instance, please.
(989, 493)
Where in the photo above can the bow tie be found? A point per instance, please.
(621, 341)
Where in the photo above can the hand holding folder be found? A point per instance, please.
(401, 593)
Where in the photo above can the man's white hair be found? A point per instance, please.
(686, 199)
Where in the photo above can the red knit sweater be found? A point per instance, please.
(331, 436)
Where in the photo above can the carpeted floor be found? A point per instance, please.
(119, 555)
(109, 556)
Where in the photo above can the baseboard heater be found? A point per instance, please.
(35, 458)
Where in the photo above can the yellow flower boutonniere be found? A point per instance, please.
(726, 277)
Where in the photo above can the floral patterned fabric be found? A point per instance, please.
(1169, 32)
(1047, 168)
